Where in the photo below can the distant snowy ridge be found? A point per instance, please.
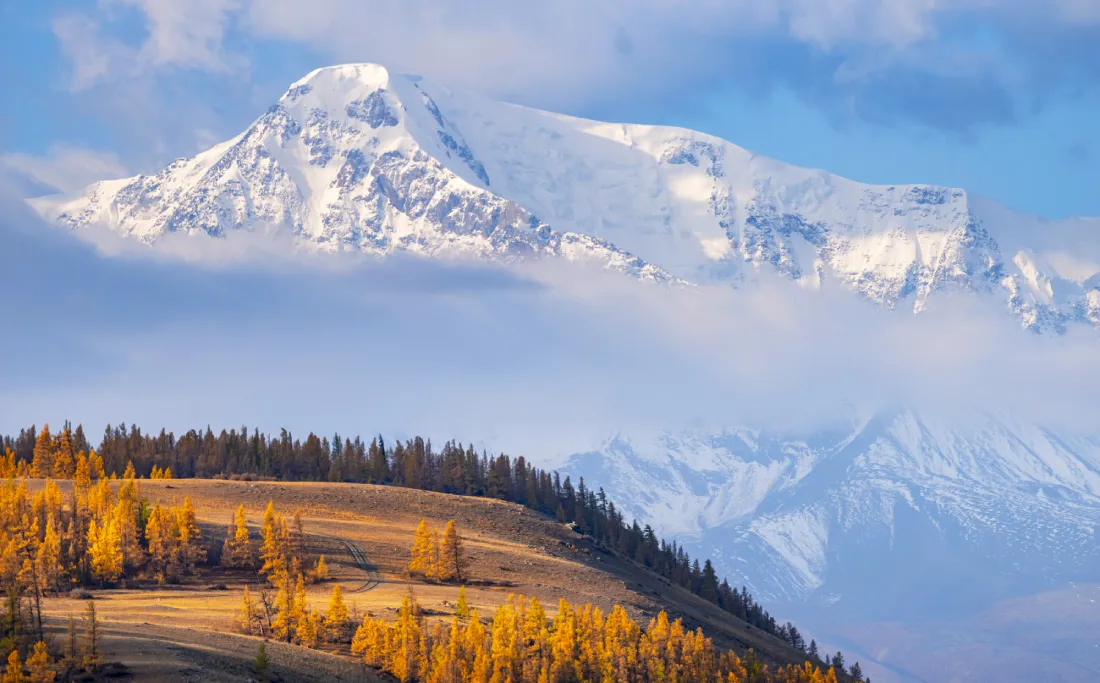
(806, 517)
(356, 158)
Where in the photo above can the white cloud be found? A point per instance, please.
(543, 360)
(190, 33)
(93, 58)
(578, 44)
(876, 22)
(572, 53)
(177, 34)
(559, 50)
(64, 168)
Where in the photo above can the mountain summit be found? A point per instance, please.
(356, 158)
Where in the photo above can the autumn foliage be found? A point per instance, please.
(580, 643)
(96, 534)
(434, 558)
(103, 531)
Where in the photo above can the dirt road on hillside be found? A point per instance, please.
(374, 577)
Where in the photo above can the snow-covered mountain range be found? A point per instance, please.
(356, 158)
(893, 500)
(889, 530)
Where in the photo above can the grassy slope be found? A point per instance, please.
(511, 550)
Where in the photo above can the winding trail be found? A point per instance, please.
(374, 577)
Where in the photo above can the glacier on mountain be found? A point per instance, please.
(354, 158)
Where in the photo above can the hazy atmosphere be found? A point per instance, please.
(807, 295)
(542, 360)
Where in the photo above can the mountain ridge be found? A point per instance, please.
(355, 158)
(786, 511)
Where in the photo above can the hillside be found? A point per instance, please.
(929, 539)
(510, 550)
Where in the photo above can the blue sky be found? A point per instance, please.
(998, 96)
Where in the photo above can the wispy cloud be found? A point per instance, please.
(62, 169)
(950, 66)
(190, 35)
(545, 360)
(91, 58)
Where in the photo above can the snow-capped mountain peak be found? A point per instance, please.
(354, 157)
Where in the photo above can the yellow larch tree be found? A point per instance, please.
(95, 466)
(407, 639)
(64, 459)
(40, 665)
(160, 536)
(451, 558)
(421, 549)
(299, 614)
(621, 638)
(14, 672)
(447, 656)
(313, 629)
(105, 550)
(237, 550)
(369, 642)
(535, 643)
(462, 607)
(42, 457)
(47, 560)
(8, 465)
(272, 548)
(336, 615)
(505, 638)
(435, 569)
(290, 608)
(100, 499)
(248, 616)
(44, 504)
(478, 659)
(563, 644)
(125, 514)
(282, 625)
(189, 545)
(80, 473)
